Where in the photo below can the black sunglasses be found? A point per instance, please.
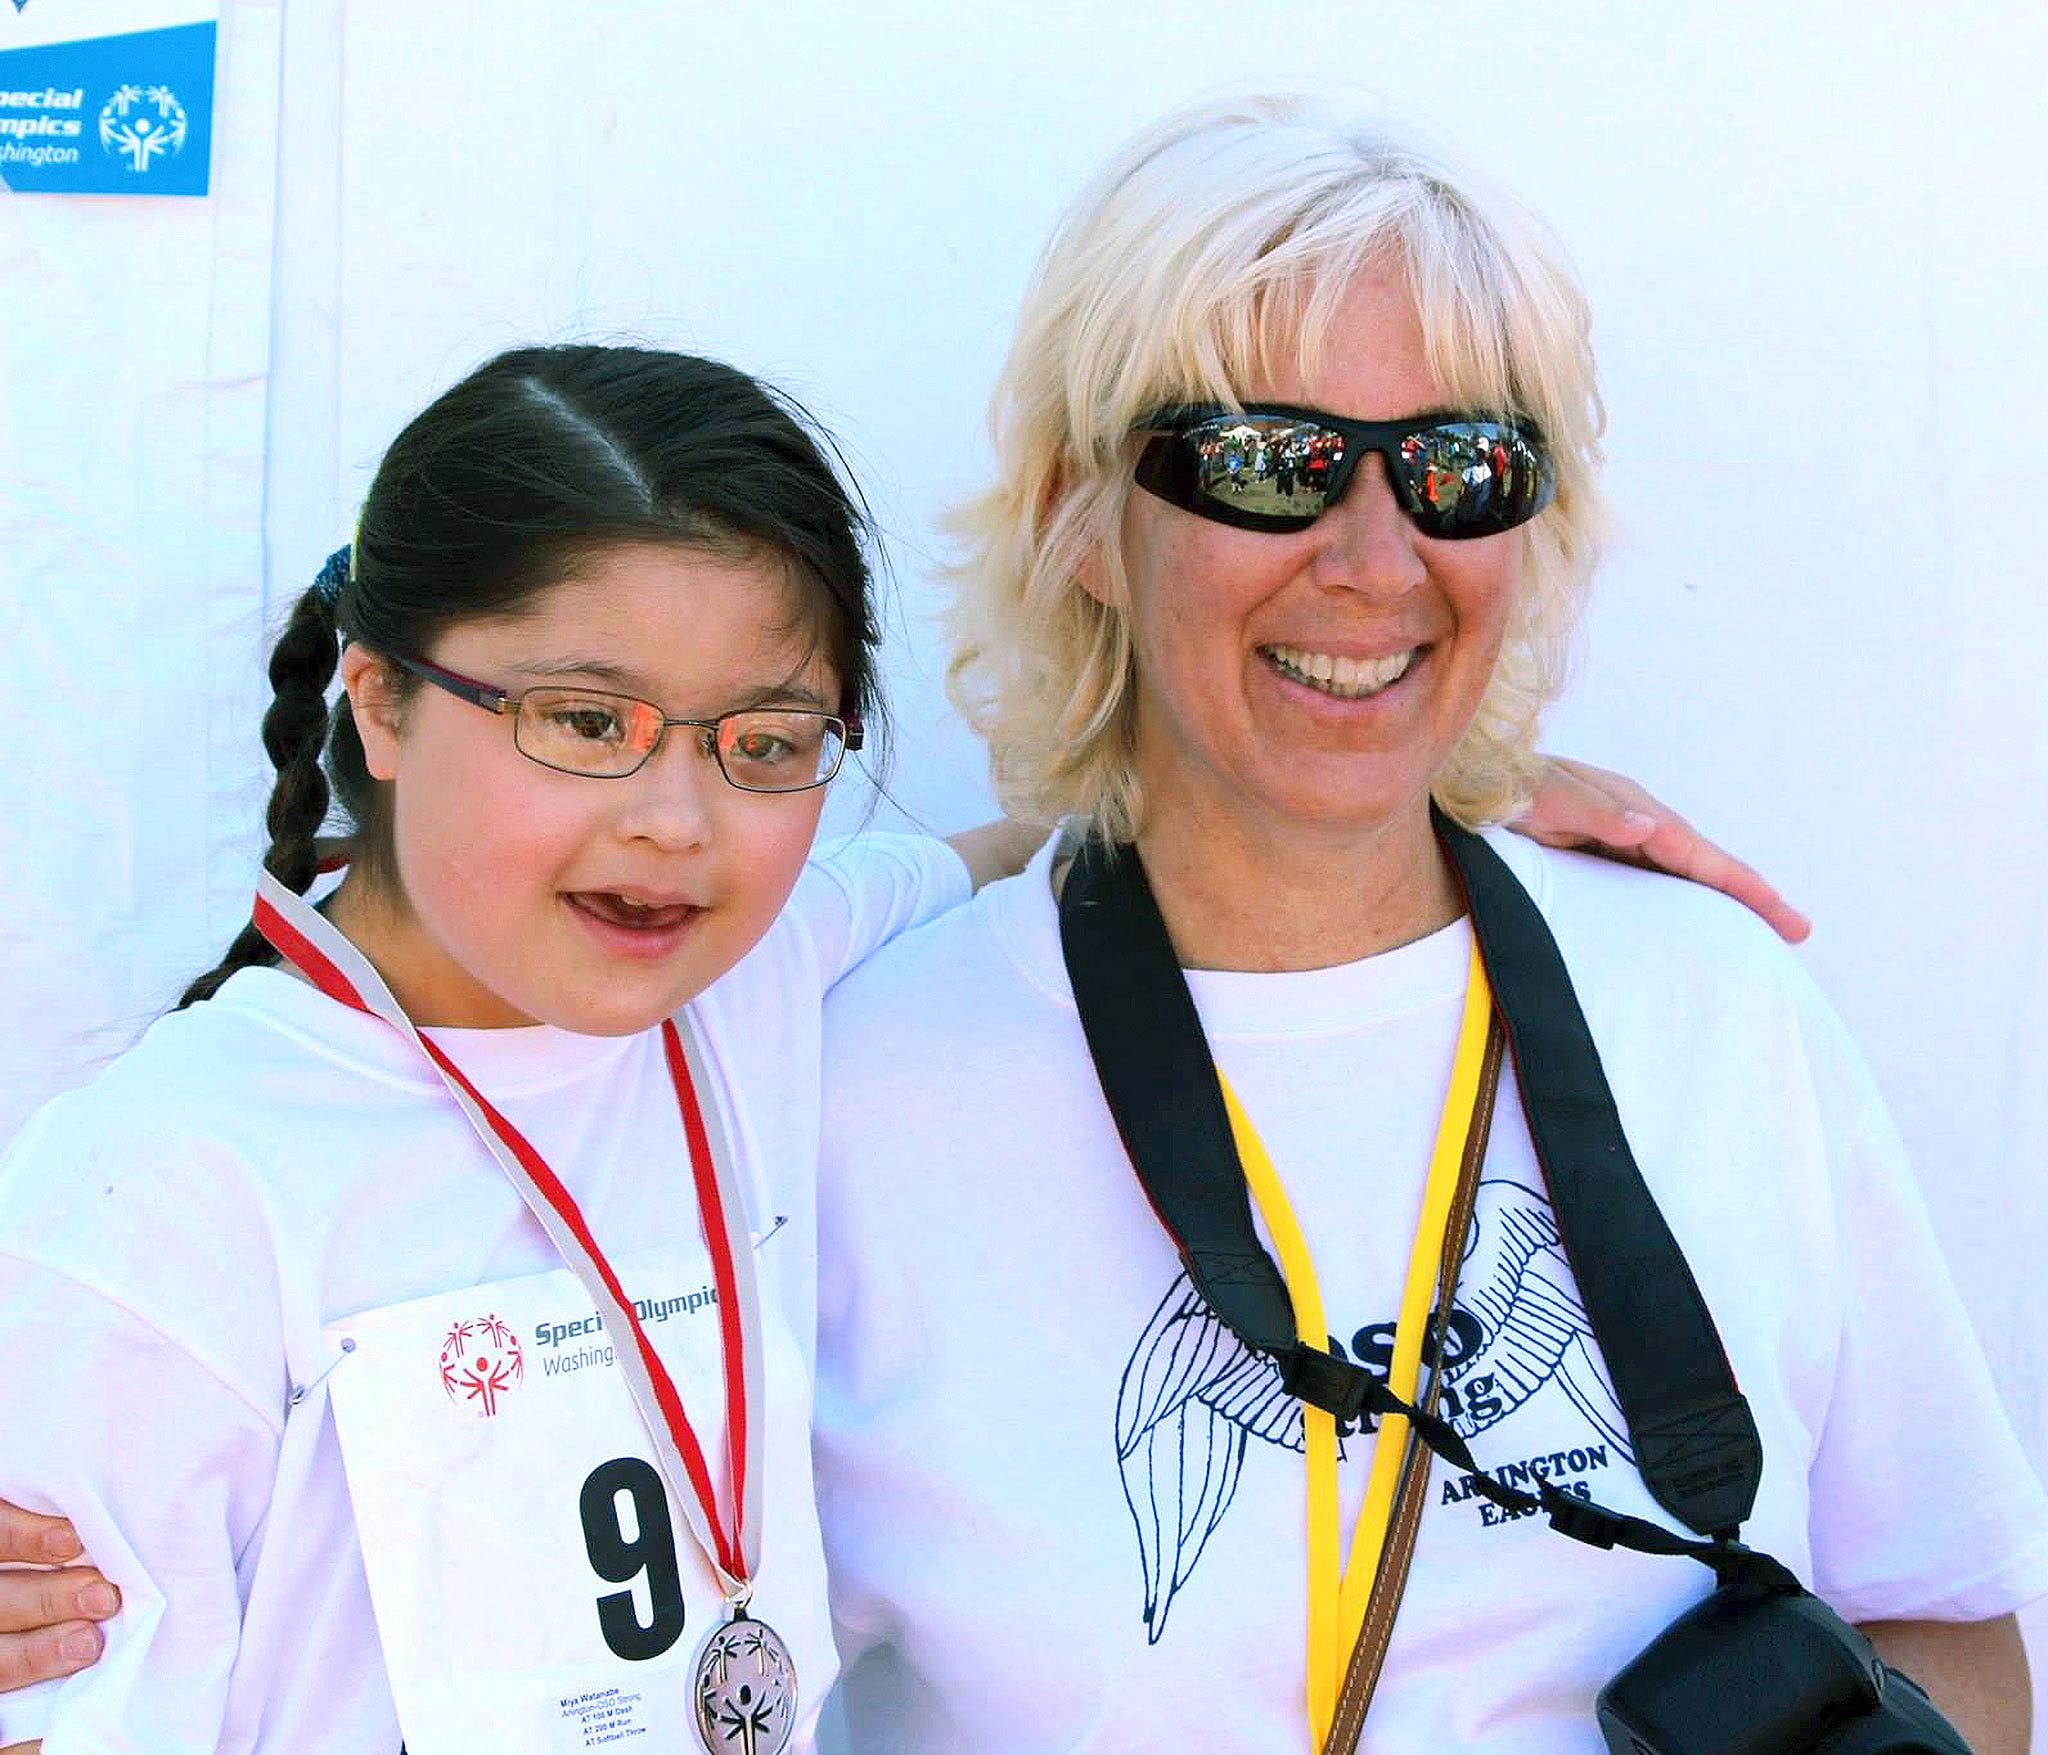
(1273, 466)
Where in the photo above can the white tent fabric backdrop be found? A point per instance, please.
(1814, 250)
(134, 362)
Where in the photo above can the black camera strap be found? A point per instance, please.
(1695, 1442)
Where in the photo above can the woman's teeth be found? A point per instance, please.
(1349, 679)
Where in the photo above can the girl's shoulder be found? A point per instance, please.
(181, 1145)
(267, 1041)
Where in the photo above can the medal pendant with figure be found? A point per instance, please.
(745, 1689)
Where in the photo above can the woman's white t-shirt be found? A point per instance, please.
(176, 1239)
(1064, 1508)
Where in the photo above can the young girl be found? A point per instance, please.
(604, 636)
(406, 1285)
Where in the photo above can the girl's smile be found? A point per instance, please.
(628, 927)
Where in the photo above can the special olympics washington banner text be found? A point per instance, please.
(127, 110)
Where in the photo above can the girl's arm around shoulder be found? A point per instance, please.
(859, 893)
(999, 849)
(1575, 806)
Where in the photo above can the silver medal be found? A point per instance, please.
(745, 1689)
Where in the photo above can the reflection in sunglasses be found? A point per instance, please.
(1276, 468)
(1285, 471)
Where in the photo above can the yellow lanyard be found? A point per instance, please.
(1337, 1600)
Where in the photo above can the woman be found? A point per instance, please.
(1062, 1500)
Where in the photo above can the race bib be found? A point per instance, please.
(536, 1590)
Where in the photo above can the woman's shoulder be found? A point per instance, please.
(1620, 918)
(1671, 974)
(980, 987)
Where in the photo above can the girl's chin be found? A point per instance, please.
(612, 1013)
(628, 979)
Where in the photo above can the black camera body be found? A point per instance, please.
(1746, 1672)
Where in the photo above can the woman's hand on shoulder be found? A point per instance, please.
(50, 1598)
(1578, 805)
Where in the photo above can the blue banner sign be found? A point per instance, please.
(126, 115)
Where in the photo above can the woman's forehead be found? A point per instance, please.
(1315, 336)
(1366, 354)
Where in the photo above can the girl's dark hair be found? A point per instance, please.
(536, 461)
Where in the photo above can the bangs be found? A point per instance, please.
(1486, 333)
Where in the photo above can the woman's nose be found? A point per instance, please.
(1366, 542)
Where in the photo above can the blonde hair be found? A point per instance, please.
(1211, 245)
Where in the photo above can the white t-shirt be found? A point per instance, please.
(175, 1238)
(1063, 1508)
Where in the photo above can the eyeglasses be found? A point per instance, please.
(607, 737)
(1273, 466)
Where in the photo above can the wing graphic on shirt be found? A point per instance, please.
(1192, 1396)
(1515, 1280)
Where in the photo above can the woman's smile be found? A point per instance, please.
(1335, 674)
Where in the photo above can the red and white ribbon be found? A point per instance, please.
(731, 1542)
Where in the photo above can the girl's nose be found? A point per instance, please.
(672, 800)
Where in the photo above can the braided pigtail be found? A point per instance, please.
(294, 731)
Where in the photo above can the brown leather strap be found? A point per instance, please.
(1362, 1674)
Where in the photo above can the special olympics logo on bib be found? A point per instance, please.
(481, 1363)
(143, 124)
